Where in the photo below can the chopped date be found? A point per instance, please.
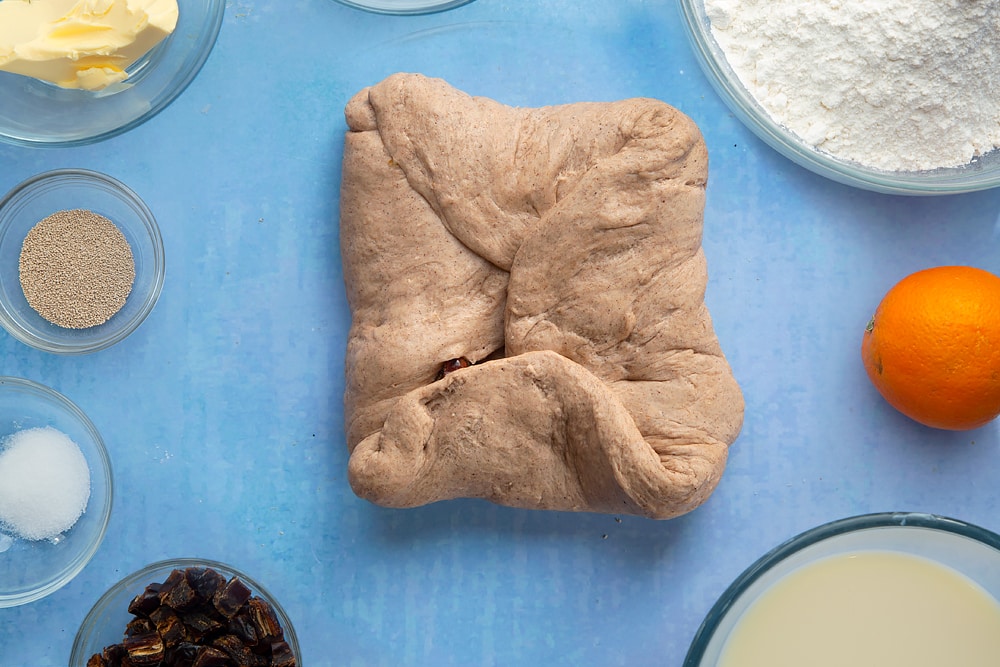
(177, 593)
(114, 655)
(239, 653)
(241, 626)
(205, 581)
(265, 621)
(168, 625)
(211, 657)
(281, 655)
(200, 625)
(181, 655)
(139, 626)
(231, 597)
(144, 603)
(196, 618)
(145, 649)
(451, 366)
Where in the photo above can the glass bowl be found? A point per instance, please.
(32, 569)
(404, 6)
(981, 174)
(968, 552)
(64, 189)
(105, 624)
(37, 113)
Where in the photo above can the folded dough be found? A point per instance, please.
(558, 250)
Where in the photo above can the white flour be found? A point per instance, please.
(900, 85)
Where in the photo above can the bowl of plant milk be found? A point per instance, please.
(869, 591)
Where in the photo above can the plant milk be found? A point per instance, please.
(868, 609)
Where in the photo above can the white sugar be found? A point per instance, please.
(44, 483)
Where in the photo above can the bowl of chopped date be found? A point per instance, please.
(184, 612)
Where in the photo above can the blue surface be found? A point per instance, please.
(223, 411)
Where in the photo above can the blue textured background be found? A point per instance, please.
(223, 411)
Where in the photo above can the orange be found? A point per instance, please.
(932, 349)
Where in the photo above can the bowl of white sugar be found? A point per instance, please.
(880, 589)
(896, 96)
(81, 261)
(56, 488)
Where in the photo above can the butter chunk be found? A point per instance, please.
(84, 44)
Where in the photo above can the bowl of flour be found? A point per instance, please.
(896, 96)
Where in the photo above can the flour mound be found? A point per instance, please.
(898, 85)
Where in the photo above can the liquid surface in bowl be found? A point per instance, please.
(868, 609)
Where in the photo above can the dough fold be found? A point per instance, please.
(558, 251)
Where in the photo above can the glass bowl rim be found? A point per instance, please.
(141, 577)
(424, 7)
(207, 41)
(81, 561)
(89, 177)
(812, 536)
(748, 110)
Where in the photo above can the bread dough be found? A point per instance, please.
(558, 250)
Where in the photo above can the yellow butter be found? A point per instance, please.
(81, 43)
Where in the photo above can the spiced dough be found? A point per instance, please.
(558, 250)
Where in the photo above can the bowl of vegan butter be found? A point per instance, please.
(881, 589)
(79, 71)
